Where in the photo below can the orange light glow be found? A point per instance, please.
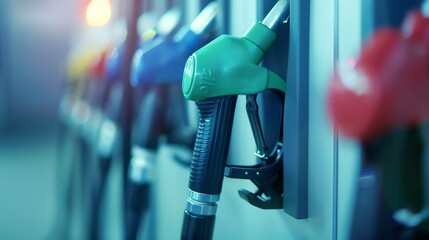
(98, 13)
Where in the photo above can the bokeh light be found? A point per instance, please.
(98, 13)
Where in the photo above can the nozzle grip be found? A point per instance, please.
(137, 207)
(149, 123)
(211, 144)
(197, 227)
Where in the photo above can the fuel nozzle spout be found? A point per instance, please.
(279, 13)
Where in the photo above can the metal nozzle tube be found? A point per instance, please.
(278, 13)
(205, 18)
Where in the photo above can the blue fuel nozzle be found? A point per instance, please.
(167, 25)
(163, 60)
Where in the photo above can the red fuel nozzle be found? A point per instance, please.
(98, 65)
(388, 84)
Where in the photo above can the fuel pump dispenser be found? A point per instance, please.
(213, 77)
(108, 142)
(93, 104)
(84, 66)
(71, 114)
(381, 99)
(157, 68)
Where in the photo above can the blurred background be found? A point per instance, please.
(58, 95)
(35, 39)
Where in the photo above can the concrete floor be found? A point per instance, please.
(35, 167)
(28, 199)
(32, 184)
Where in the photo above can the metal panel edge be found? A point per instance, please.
(296, 113)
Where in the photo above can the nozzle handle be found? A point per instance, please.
(212, 144)
(208, 165)
(150, 119)
(137, 207)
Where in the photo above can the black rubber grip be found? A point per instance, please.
(98, 187)
(212, 144)
(196, 227)
(178, 127)
(150, 120)
(139, 196)
(137, 208)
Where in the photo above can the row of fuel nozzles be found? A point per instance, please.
(386, 86)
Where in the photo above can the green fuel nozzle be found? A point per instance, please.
(213, 77)
(229, 65)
